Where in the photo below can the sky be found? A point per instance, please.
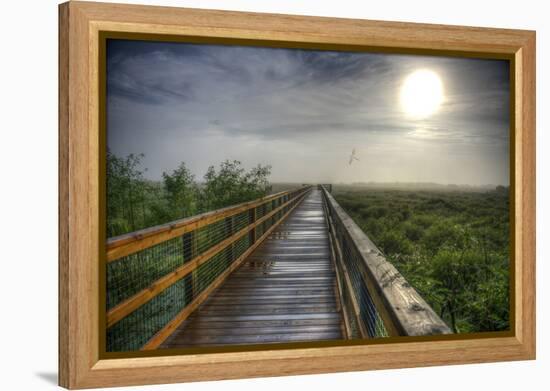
(304, 111)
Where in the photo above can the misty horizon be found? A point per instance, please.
(304, 111)
(201, 181)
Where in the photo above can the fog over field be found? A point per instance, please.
(303, 112)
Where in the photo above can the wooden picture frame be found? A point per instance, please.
(81, 24)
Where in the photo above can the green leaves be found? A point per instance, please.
(451, 246)
(395, 243)
(134, 203)
(231, 184)
(126, 190)
(180, 191)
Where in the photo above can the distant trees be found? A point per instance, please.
(134, 202)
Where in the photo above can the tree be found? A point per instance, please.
(125, 193)
(180, 192)
(134, 203)
(231, 184)
(457, 274)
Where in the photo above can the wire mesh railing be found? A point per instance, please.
(158, 276)
(376, 299)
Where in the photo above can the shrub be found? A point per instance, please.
(412, 231)
(377, 211)
(447, 234)
(423, 221)
(394, 242)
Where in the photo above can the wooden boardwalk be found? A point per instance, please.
(285, 291)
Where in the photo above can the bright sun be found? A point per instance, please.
(421, 93)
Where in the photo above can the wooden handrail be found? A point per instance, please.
(402, 309)
(123, 245)
(171, 326)
(129, 305)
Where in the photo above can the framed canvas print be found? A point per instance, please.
(247, 195)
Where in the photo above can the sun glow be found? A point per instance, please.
(421, 93)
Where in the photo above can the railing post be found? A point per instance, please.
(228, 233)
(189, 250)
(264, 212)
(252, 220)
(273, 206)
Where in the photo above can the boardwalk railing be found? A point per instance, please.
(376, 299)
(158, 276)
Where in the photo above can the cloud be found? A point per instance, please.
(168, 99)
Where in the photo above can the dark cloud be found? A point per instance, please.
(335, 67)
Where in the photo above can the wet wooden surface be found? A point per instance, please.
(284, 292)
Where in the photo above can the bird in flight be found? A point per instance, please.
(352, 157)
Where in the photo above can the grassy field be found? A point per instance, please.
(451, 244)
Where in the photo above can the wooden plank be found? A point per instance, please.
(286, 266)
(291, 246)
(223, 296)
(221, 300)
(283, 317)
(257, 270)
(200, 323)
(287, 263)
(271, 291)
(272, 282)
(266, 272)
(284, 310)
(199, 340)
(259, 287)
(168, 329)
(296, 242)
(237, 330)
(287, 307)
(284, 275)
(303, 254)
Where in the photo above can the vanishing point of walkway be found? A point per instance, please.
(285, 291)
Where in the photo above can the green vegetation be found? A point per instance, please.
(134, 202)
(452, 246)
